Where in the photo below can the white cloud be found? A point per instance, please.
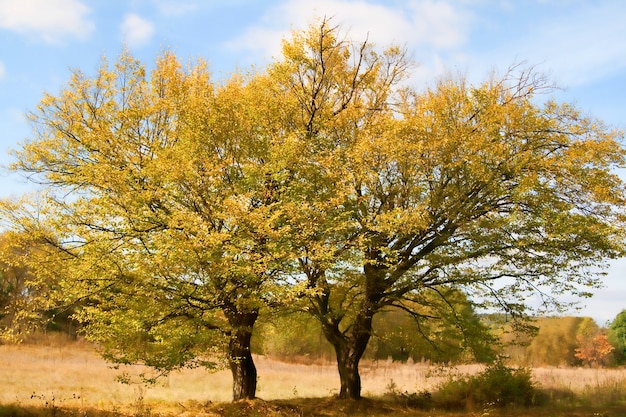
(418, 24)
(50, 20)
(437, 24)
(2, 70)
(136, 30)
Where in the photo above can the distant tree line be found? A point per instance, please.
(557, 341)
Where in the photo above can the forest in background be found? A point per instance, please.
(555, 341)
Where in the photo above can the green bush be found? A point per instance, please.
(496, 386)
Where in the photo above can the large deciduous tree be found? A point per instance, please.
(160, 213)
(479, 188)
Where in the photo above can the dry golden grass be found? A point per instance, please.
(76, 376)
(577, 379)
(73, 375)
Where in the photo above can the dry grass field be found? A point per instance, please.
(58, 376)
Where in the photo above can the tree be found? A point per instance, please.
(159, 213)
(569, 341)
(22, 307)
(400, 335)
(555, 342)
(593, 347)
(595, 351)
(407, 193)
(617, 336)
(291, 336)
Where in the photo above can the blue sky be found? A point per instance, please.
(579, 44)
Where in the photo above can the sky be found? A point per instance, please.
(580, 45)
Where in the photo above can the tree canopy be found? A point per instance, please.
(481, 188)
(177, 207)
(159, 210)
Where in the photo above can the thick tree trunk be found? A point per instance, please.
(349, 377)
(240, 357)
(350, 344)
(349, 349)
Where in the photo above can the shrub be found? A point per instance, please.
(498, 385)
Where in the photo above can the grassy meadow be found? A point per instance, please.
(56, 378)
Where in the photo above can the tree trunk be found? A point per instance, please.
(350, 344)
(349, 349)
(240, 357)
(349, 376)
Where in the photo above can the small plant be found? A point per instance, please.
(140, 407)
(391, 388)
